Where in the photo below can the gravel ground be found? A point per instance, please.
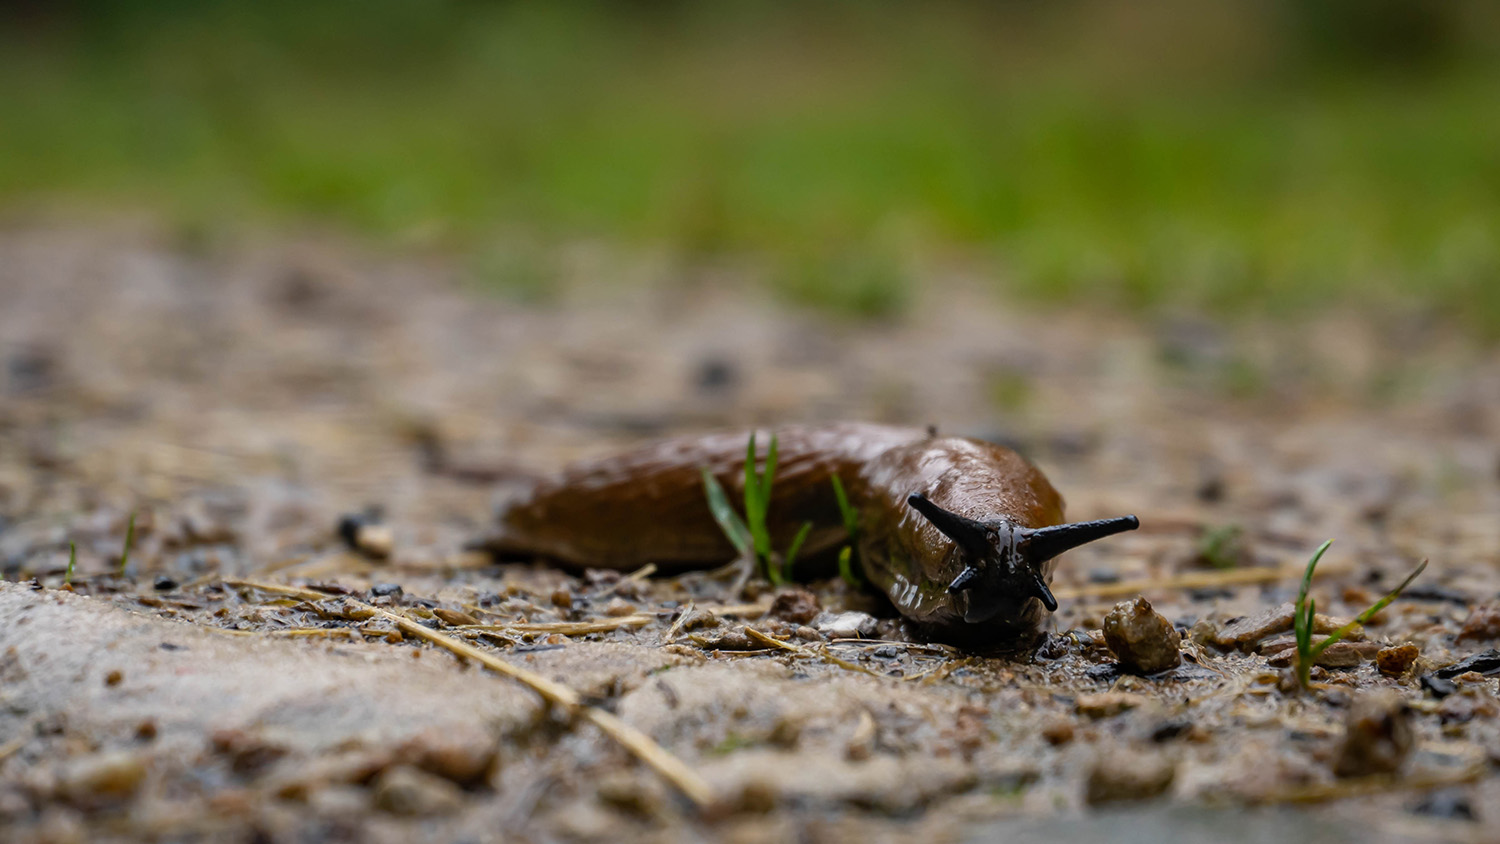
(240, 400)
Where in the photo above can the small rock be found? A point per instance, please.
(375, 541)
(102, 777)
(1377, 736)
(619, 608)
(1483, 623)
(562, 599)
(406, 791)
(1058, 731)
(163, 583)
(1337, 655)
(730, 640)
(1485, 662)
(1245, 632)
(1123, 775)
(146, 729)
(1105, 704)
(1394, 661)
(628, 790)
(797, 606)
(387, 590)
(807, 634)
(1141, 639)
(845, 625)
(454, 618)
(114, 677)
(248, 753)
(463, 756)
(1448, 803)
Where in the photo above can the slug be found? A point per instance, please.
(961, 535)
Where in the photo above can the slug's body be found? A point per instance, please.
(953, 530)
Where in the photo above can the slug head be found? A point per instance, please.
(1003, 563)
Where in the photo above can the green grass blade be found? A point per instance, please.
(72, 561)
(846, 568)
(1369, 613)
(848, 513)
(129, 541)
(729, 521)
(796, 546)
(757, 495)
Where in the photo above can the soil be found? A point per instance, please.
(241, 400)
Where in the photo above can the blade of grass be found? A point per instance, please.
(1302, 618)
(796, 546)
(1369, 613)
(846, 570)
(848, 513)
(72, 561)
(729, 521)
(129, 541)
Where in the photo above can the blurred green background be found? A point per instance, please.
(1235, 157)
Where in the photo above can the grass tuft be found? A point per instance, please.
(1306, 609)
(851, 527)
(72, 561)
(751, 536)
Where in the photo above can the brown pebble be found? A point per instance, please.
(619, 608)
(797, 606)
(146, 729)
(102, 777)
(562, 599)
(454, 618)
(406, 791)
(463, 755)
(1377, 736)
(1394, 661)
(1245, 632)
(1058, 731)
(114, 677)
(375, 541)
(1105, 704)
(1337, 655)
(1482, 624)
(1141, 639)
(1123, 775)
(638, 795)
(248, 753)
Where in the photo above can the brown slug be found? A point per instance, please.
(960, 534)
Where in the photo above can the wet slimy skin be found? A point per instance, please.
(962, 535)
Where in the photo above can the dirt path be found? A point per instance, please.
(240, 401)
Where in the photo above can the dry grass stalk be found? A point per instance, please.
(767, 639)
(566, 628)
(1192, 580)
(641, 745)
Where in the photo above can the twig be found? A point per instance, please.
(648, 751)
(639, 574)
(566, 628)
(676, 627)
(824, 655)
(1191, 580)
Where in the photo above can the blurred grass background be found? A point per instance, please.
(1237, 157)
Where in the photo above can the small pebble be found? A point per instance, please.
(454, 618)
(406, 791)
(1482, 624)
(845, 625)
(163, 583)
(1058, 731)
(798, 606)
(114, 677)
(1377, 736)
(619, 608)
(1141, 638)
(375, 541)
(1105, 704)
(464, 756)
(1123, 775)
(562, 599)
(102, 777)
(1245, 632)
(387, 590)
(1394, 661)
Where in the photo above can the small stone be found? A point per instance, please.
(628, 790)
(1141, 638)
(1105, 704)
(463, 756)
(387, 590)
(454, 618)
(797, 606)
(114, 677)
(1377, 736)
(406, 791)
(375, 541)
(163, 583)
(1245, 632)
(248, 753)
(619, 608)
(146, 729)
(1058, 731)
(730, 640)
(845, 625)
(1394, 661)
(1482, 624)
(102, 777)
(1123, 775)
(562, 599)
(1337, 655)
(807, 634)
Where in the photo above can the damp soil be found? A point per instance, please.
(319, 416)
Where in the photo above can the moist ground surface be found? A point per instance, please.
(241, 400)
